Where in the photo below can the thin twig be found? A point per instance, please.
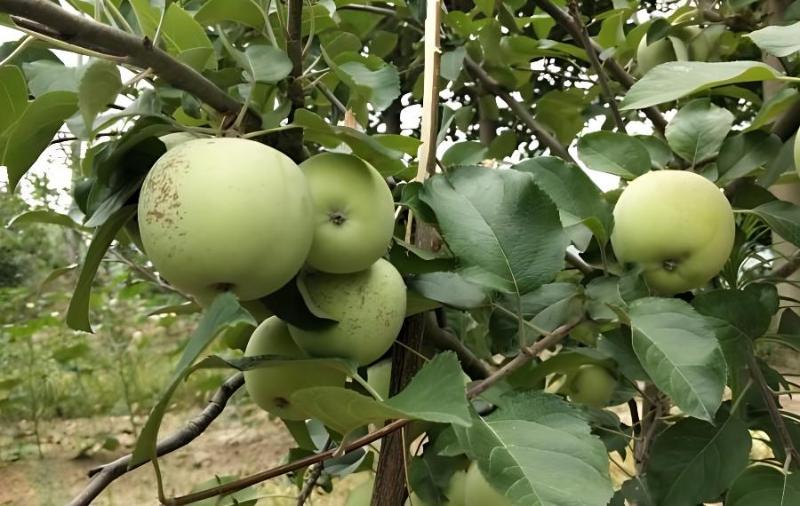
(331, 97)
(472, 365)
(314, 473)
(69, 138)
(17, 50)
(104, 475)
(615, 69)
(520, 360)
(788, 268)
(545, 138)
(602, 78)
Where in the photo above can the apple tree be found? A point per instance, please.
(489, 253)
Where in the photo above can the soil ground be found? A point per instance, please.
(242, 441)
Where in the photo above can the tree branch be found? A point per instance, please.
(602, 78)
(104, 475)
(85, 32)
(313, 476)
(520, 110)
(474, 367)
(772, 408)
(526, 355)
(615, 69)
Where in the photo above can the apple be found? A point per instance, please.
(456, 491)
(592, 385)
(797, 152)
(226, 214)
(271, 387)
(361, 494)
(379, 377)
(353, 213)
(479, 492)
(369, 307)
(677, 225)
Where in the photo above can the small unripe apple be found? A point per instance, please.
(479, 492)
(677, 225)
(353, 213)
(361, 494)
(369, 307)
(457, 489)
(226, 215)
(797, 152)
(592, 385)
(652, 55)
(271, 387)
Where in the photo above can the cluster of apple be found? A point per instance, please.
(229, 214)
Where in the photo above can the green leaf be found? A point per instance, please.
(370, 77)
(32, 133)
(698, 129)
(773, 108)
(694, 461)
(779, 41)
(740, 317)
(44, 216)
(78, 312)
(614, 153)
(223, 312)
(180, 32)
(266, 64)
(99, 85)
(464, 153)
(448, 288)
(45, 76)
(573, 192)
(436, 393)
(245, 497)
(503, 229)
(246, 12)
(660, 154)
(386, 160)
(13, 96)
(764, 485)
(561, 111)
(740, 155)
(452, 63)
(782, 217)
(678, 349)
(673, 80)
(553, 460)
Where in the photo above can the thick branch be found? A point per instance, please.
(85, 32)
(474, 367)
(519, 109)
(104, 475)
(526, 355)
(615, 69)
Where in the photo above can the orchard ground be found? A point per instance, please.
(242, 441)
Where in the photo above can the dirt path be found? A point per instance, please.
(241, 442)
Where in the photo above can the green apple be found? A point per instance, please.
(677, 225)
(479, 492)
(369, 307)
(271, 387)
(705, 44)
(592, 385)
(226, 215)
(353, 213)
(652, 55)
(456, 491)
(361, 494)
(379, 377)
